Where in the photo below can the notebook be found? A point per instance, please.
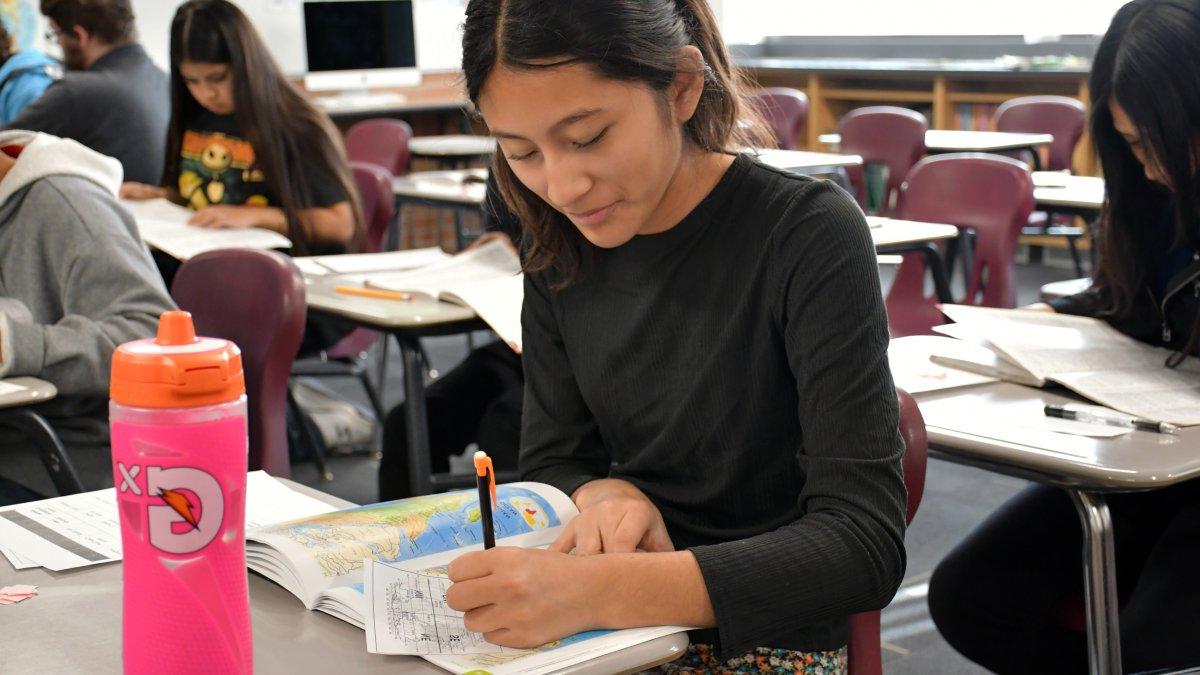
(164, 225)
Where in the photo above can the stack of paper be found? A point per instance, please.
(80, 530)
(164, 226)
(1085, 355)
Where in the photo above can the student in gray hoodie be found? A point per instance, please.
(75, 282)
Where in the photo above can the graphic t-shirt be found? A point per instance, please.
(217, 166)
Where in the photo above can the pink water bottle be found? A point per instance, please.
(179, 449)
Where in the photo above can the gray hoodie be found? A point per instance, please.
(75, 278)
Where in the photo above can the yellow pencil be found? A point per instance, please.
(372, 293)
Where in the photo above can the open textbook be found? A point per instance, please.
(487, 279)
(322, 559)
(1084, 355)
(164, 226)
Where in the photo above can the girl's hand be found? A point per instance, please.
(614, 517)
(525, 597)
(141, 191)
(225, 217)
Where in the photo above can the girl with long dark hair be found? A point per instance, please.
(704, 350)
(244, 147)
(1145, 121)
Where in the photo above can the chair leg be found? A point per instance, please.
(1075, 256)
(49, 448)
(309, 435)
(372, 393)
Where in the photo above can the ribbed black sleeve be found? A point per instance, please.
(734, 368)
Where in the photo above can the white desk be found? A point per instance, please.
(954, 140)
(452, 148)
(1086, 468)
(1066, 193)
(799, 161)
(74, 626)
(15, 413)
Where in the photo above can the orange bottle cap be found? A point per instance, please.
(176, 369)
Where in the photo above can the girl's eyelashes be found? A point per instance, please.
(517, 157)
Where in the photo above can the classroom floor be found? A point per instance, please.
(956, 499)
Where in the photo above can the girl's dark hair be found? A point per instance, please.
(6, 43)
(281, 124)
(1149, 62)
(631, 40)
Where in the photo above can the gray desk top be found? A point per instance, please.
(456, 145)
(801, 161)
(892, 232)
(384, 314)
(911, 67)
(1051, 188)
(957, 140)
(453, 186)
(1135, 461)
(32, 390)
(74, 626)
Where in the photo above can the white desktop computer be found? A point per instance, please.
(356, 45)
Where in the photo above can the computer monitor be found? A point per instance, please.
(354, 45)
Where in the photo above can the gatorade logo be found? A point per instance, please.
(184, 506)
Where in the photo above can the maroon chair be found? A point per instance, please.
(1061, 116)
(382, 142)
(864, 657)
(884, 135)
(785, 111)
(346, 358)
(256, 299)
(988, 195)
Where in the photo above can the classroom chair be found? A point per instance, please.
(987, 196)
(1061, 116)
(864, 657)
(256, 299)
(382, 142)
(785, 111)
(1064, 118)
(30, 430)
(347, 357)
(886, 136)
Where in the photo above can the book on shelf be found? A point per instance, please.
(382, 567)
(163, 225)
(487, 279)
(1083, 354)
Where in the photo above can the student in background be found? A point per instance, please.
(75, 282)
(478, 401)
(705, 350)
(24, 75)
(1145, 89)
(246, 149)
(112, 98)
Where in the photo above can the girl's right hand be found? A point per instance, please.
(614, 517)
(141, 191)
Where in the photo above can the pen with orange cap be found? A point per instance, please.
(485, 480)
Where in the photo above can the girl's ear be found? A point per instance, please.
(688, 86)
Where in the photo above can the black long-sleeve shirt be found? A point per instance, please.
(734, 368)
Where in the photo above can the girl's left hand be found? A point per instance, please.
(225, 217)
(525, 597)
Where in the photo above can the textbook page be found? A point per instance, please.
(490, 262)
(498, 302)
(914, 371)
(1091, 358)
(84, 529)
(164, 226)
(408, 615)
(391, 261)
(310, 555)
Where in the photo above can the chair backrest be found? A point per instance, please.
(785, 111)
(887, 135)
(990, 195)
(375, 193)
(1061, 116)
(256, 299)
(383, 142)
(864, 656)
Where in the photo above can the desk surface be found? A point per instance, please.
(954, 140)
(802, 161)
(890, 232)
(1135, 461)
(1051, 188)
(454, 186)
(417, 313)
(74, 626)
(456, 145)
(32, 391)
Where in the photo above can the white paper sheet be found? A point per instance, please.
(164, 226)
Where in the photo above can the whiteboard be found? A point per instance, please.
(281, 25)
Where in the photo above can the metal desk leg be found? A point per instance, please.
(419, 463)
(49, 448)
(1100, 581)
(392, 239)
(937, 269)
